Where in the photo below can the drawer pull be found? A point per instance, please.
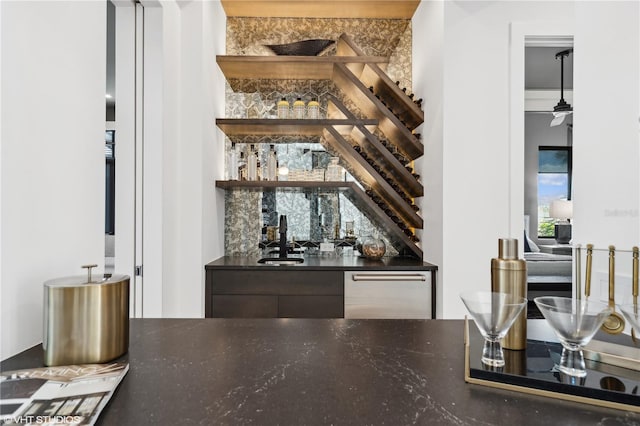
(388, 277)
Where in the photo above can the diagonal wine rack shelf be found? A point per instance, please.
(373, 76)
(369, 177)
(370, 144)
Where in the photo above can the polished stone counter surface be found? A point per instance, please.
(346, 263)
(314, 372)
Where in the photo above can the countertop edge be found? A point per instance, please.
(331, 264)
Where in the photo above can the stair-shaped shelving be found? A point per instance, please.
(373, 148)
(381, 166)
(366, 174)
(373, 76)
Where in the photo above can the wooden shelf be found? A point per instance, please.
(307, 127)
(267, 184)
(390, 125)
(370, 144)
(367, 175)
(381, 9)
(353, 192)
(372, 75)
(374, 148)
(288, 67)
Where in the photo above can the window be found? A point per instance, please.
(554, 183)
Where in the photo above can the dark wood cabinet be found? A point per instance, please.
(274, 294)
(245, 306)
(290, 306)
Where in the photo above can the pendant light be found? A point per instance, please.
(563, 109)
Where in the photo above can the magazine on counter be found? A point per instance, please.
(63, 395)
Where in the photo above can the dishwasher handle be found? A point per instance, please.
(388, 277)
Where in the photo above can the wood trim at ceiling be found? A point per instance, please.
(379, 9)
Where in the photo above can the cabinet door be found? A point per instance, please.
(298, 282)
(245, 306)
(392, 295)
(311, 307)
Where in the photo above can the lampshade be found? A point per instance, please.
(558, 118)
(561, 209)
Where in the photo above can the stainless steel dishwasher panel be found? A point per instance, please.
(387, 295)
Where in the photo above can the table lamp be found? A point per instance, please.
(563, 211)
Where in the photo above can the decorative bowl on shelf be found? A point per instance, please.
(301, 48)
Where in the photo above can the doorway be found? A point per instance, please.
(528, 109)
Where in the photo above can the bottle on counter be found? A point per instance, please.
(252, 164)
(283, 108)
(298, 108)
(242, 167)
(313, 109)
(272, 164)
(509, 275)
(232, 163)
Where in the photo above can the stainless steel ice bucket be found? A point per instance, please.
(86, 319)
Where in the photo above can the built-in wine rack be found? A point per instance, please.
(382, 165)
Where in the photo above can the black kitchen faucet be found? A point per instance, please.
(283, 236)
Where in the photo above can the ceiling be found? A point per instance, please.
(387, 9)
(542, 69)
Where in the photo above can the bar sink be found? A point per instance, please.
(281, 260)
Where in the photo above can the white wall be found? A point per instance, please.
(428, 33)
(125, 139)
(477, 150)
(606, 147)
(475, 196)
(187, 231)
(214, 43)
(606, 139)
(168, 182)
(159, 113)
(53, 117)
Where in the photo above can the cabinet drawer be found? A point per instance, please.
(245, 306)
(311, 307)
(397, 295)
(302, 282)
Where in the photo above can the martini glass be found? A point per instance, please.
(493, 314)
(574, 321)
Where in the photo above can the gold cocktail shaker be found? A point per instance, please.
(509, 275)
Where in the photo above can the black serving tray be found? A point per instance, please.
(534, 371)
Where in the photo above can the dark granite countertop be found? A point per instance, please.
(327, 263)
(314, 372)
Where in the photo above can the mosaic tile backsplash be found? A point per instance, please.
(312, 215)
